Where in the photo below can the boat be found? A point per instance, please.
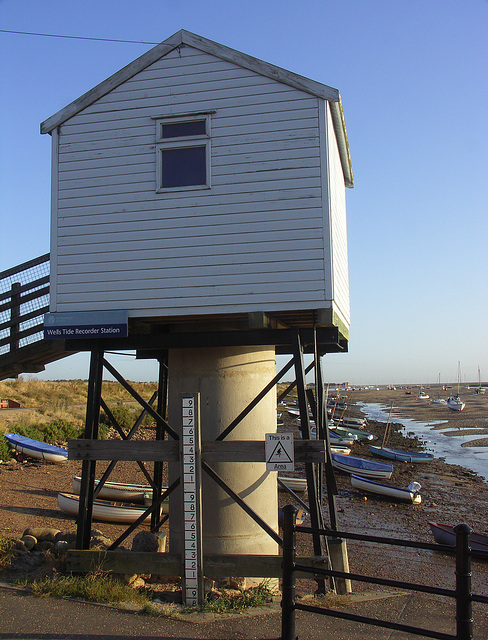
(479, 389)
(106, 511)
(359, 434)
(398, 454)
(444, 534)
(356, 423)
(118, 491)
(36, 448)
(297, 485)
(454, 402)
(137, 493)
(440, 400)
(422, 395)
(361, 466)
(410, 494)
(335, 438)
(343, 433)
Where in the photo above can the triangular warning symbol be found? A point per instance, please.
(279, 454)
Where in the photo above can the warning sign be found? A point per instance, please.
(280, 454)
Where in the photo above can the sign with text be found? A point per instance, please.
(85, 324)
(279, 451)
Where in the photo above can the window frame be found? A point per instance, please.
(183, 142)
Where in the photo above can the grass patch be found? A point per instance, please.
(230, 602)
(6, 552)
(93, 587)
(5, 450)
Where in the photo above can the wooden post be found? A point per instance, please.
(85, 508)
(160, 432)
(14, 316)
(316, 515)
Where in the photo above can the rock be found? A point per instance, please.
(29, 541)
(100, 542)
(138, 583)
(20, 548)
(42, 534)
(145, 541)
(129, 578)
(208, 585)
(232, 583)
(61, 546)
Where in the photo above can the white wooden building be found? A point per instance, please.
(199, 181)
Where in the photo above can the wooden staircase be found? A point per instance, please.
(24, 299)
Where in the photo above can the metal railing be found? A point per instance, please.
(24, 299)
(462, 593)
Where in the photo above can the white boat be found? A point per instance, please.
(410, 494)
(119, 491)
(422, 395)
(366, 468)
(455, 403)
(107, 511)
(298, 485)
(440, 400)
(36, 449)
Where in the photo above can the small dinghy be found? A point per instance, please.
(36, 449)
(398, 454)
(118, 491)
(107, 511)
(297, 485)
(410, 494)
(361, 466)
(445, 534)
(348, 432)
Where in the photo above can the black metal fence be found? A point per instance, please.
(24, 299)
(462, 593)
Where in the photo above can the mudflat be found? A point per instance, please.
(450, 494)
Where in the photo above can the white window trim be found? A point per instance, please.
(182, 142)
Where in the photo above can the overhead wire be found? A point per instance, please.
(54, 35)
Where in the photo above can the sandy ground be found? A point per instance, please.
(450, 493)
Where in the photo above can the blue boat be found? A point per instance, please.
(361, 466)
(36, 449)
(398, 454)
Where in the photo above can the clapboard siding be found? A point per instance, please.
(253, 241)
(230, 215)
(153, 271)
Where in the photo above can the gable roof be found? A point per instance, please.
(182, 38)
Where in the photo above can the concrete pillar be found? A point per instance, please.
(227, 378)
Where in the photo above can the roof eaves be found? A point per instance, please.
(259, 66)
(339, 122)
(112, 82)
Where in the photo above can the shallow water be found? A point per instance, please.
(436, 442)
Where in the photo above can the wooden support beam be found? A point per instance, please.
(167, 450)
(169, 564)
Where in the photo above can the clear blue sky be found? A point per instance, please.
(413, 80)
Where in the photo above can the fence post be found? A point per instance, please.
(288, 569)
(15, 316)
(464, 607)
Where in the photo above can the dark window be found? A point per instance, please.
(181, 129)
(183, 152)
(183, 167)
